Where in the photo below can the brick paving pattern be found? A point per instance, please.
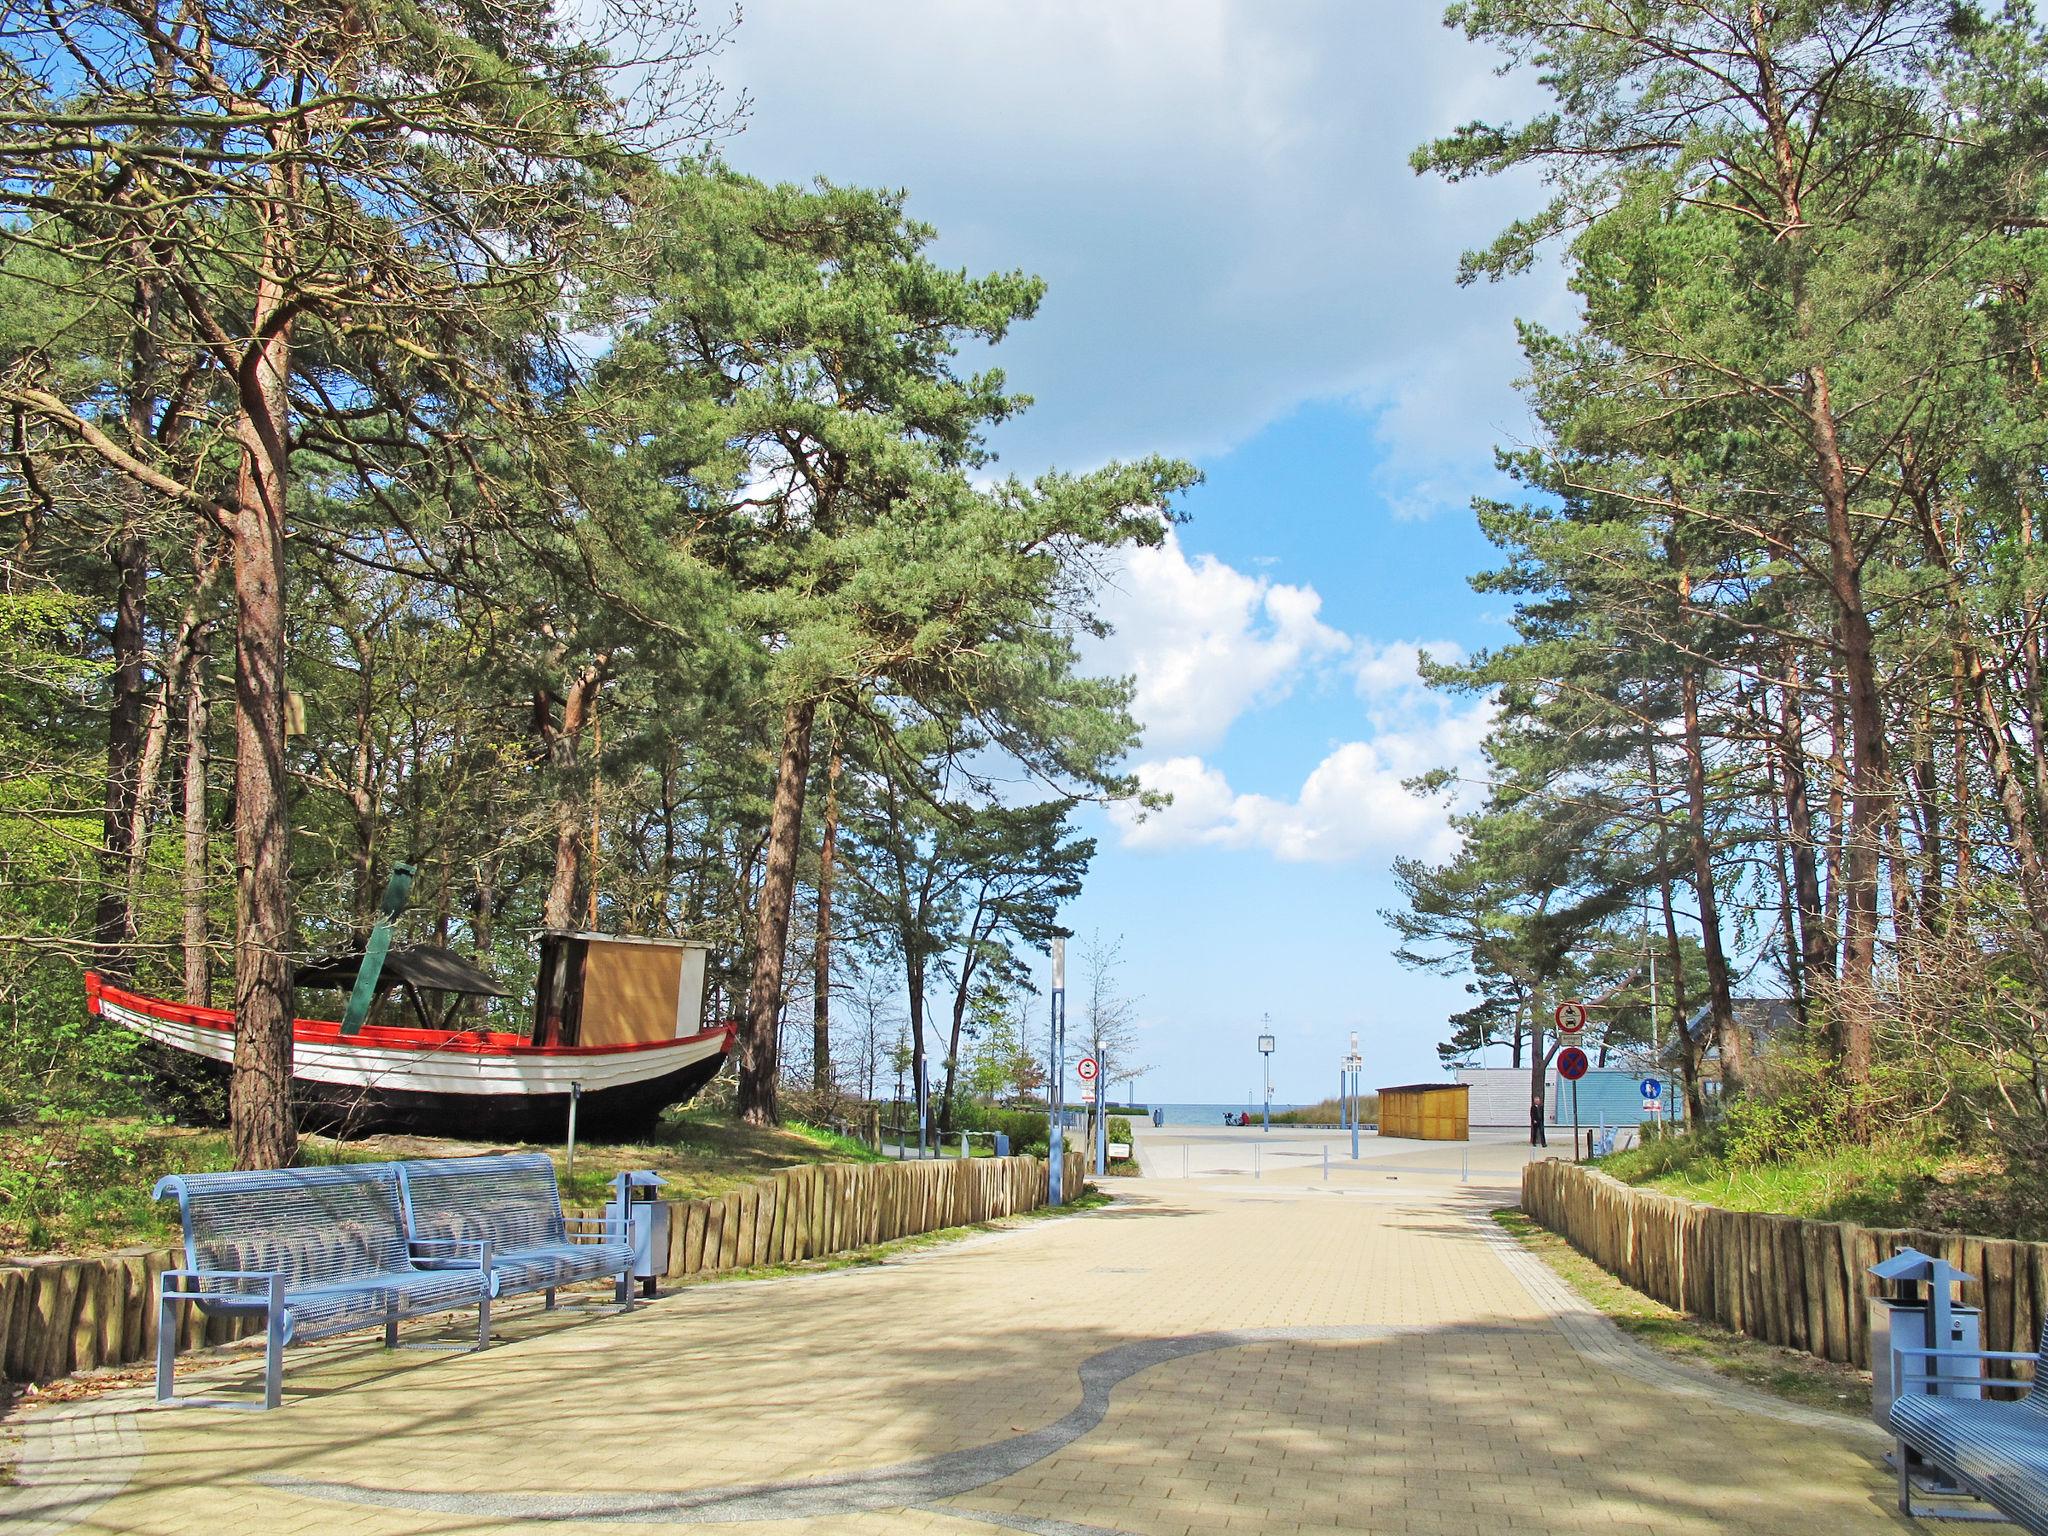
(1391, 1369)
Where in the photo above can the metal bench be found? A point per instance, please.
(1997, 1451)
(513, 1203)
(312, 1251)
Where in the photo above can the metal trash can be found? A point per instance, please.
(646, 1218)
(1921, 1313)
(1002, 1143)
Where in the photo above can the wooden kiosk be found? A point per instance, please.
(607, 989)
(1426, 1112)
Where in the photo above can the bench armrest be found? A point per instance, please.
(1969, 1354)
(464, 1252)
(272, 1281)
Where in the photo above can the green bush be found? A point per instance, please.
(1022, 1126)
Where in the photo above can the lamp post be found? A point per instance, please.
(1056, 1095)
(1266, 1055)
(1354, 1066)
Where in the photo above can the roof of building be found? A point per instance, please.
(1421, 1087)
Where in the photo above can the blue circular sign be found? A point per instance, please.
(1652, 1089)
(1572, 1063)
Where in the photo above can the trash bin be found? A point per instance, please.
(1920, 1312)
(634, 1199)
(1002, 1143)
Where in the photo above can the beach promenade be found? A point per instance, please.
(1217, 1353)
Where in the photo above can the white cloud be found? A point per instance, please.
(1386, 674)
(1353, 804)
(1206, 642)
(1217, 193)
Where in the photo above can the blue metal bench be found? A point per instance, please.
(312, 1251)
(513, 1203)
(1997, 1451)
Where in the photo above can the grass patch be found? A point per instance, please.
(1784, 1373)
(1330, 1112)
(1899, 1183)
(83, 1186)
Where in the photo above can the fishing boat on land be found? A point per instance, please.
(617, 1029)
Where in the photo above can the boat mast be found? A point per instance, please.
(395, 891)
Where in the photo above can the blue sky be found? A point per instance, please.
(1243, 272)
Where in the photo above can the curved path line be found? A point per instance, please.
(904, 1485)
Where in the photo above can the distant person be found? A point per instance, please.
(1537, 1138)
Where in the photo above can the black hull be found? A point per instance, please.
(626, 1113)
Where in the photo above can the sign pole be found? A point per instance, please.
(1575, 1121)
(1357, 1108)
(1056, 1096)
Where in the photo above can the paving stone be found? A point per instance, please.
(1211, 1356)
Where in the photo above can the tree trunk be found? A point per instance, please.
(1788, 905)
(483, 925)
(1688, 1053)
(1688, 1048)
(260, 1093)
(1816, 946)
(362, 793)
(920, 1067)
(1699, 841)
(198, 964)
(963, 989)
(760, 1029)
(1855, 998)
(558, 912)
(821, 962)
(1969, 667)
(114, 922)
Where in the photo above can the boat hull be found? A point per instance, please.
(470, 1084)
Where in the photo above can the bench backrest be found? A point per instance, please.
(315, 1225)
(511, 1199)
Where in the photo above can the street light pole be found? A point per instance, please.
(1056, 1094)
(1355, 1065)
(1266, 1055)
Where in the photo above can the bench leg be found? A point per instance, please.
(625, 1289)
(483, 1323)
(166, 1346)
(1905, 1479)
(550, 1294)
(273, 1350)
(391, 1325)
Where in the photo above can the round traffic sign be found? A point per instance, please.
(1572, 1064)
(1571, 1017)
(1652, 1088)
(1085, 1069)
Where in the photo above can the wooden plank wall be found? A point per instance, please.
(1782, 1279)
(1425, 1114)
(60, 1315)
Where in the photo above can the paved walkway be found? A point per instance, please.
(1217, 1354)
